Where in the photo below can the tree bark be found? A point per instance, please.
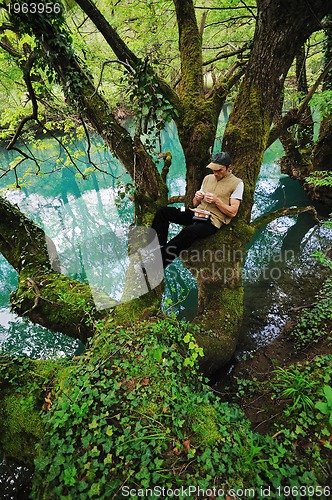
(49, 298)
(276, 41)
(322, 152)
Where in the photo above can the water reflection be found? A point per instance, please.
(279, 272)
(15, 480)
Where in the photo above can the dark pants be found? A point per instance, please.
(193, 231)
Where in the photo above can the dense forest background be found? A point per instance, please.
(134, 411)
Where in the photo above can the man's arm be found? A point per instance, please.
(197, 198)
(230, 210)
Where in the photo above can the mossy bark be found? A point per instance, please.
(27, 388)
(217, 265)
(245, 138)
(276, 41)
(51, 299)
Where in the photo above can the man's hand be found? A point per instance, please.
(199, 196)
(210, 197)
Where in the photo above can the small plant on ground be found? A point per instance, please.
(295, 385)
(315, 323)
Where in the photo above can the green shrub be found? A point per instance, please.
(133, 413)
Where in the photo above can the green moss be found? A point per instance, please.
(24, 385)
(115, 425)
(21, 428)
(204, 423)
(58, 302)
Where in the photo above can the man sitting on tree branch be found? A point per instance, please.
(216, 203)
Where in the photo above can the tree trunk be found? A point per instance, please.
(276, 42)
(298, 141)
(305, 134)
(198, 120)
(217, 265)
(51, 299)
(322, 151)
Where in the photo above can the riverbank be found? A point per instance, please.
(284, 388)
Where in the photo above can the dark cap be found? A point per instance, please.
(221, 158)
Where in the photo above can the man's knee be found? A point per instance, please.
(162, 212)
(191, 231)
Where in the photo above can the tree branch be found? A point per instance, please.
(176, 199)
(125, 56)
(223, 86)
(248, 7)
(105, 63)
(7, 46)
(190, 42)
(225, 56)
(267, 218)
(34, 114)
(293, 115)
(121, 50)
(45, 296)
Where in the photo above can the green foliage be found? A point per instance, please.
(150, 108)
(323, 102)
(308, 384)
(24, 387)
(194, 350)
(325, 407)
(320, 178)
(295, 385)
(299, 399)
(153, 422)
(315, 322)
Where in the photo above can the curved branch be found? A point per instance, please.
(225, 56)
(176, 199)
(45, 296)
(223, 86)
(34, 114)
(267, 218)
(7, 46)
(121, 50)
(105, 63)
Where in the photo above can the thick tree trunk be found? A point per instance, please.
(280, 32)
(322, 151)
(51, 299)
(276, 42)
(217, 265)
(198, 120)
(197, 123)
(305, 134)
(298, 142)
